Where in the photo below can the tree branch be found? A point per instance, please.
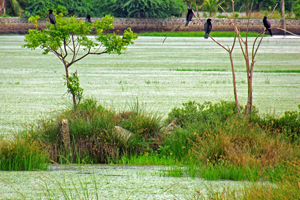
(286, 31)
(231, 50)
(66, 52)
(232, 23)
(172, 32)
(77, 51)
(196, 17)
(59, 57)
(74, 61)
(228, 50)
(98, 53)
(74, 50)
(70, 48)
(249, 19)
(273, 10)
(254, 53)
(98, 49)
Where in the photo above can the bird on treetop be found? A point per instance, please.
(88, 19)
(52, 18)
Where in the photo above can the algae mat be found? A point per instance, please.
(107, 182)
(160, 76)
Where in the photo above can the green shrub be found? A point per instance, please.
(288, 124)
(296, 8)
(179, 143)
(207, 113)
(194, 121)
(22, 154)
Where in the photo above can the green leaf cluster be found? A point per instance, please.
(296, 8)
(71, 31)
(74, 87)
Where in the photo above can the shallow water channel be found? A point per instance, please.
(107, 182)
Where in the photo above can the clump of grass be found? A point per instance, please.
(22, 154)
(288, 188)
(288, 124)
(244, 144)
(174, 171)
(94, 136)
(147, 159)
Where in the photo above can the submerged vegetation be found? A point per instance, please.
(210, 140)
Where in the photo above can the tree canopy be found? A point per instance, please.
(70, 41)
(134, 8)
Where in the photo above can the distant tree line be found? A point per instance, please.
(100, 8)
(136, 8)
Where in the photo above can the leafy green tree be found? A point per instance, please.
(100, 8)
(296, 8)
(211, 6)
(12, 6)
(70, 44)
(152, 8)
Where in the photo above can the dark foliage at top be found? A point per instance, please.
(99, 8)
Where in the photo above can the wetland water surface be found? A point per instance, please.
(162, 76)
(108, 182)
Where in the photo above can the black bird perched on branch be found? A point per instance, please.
(267, 24)
(189, 16)
(207, 28)
(52, 18)
(88, 19)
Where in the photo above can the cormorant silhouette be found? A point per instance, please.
(88, 19)
(267, 24)
(189, 16)
(52, 18)
(207, 28)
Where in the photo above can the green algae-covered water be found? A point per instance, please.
(162, 76)
(107, 182)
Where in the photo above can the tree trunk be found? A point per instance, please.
(234, 84)
(249, 81)
(2, 7)
(247, 7)
(197, 11)
(283, 15)
(68, 85)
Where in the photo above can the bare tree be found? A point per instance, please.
(249, 61)
(230, 51)
(245, 50)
